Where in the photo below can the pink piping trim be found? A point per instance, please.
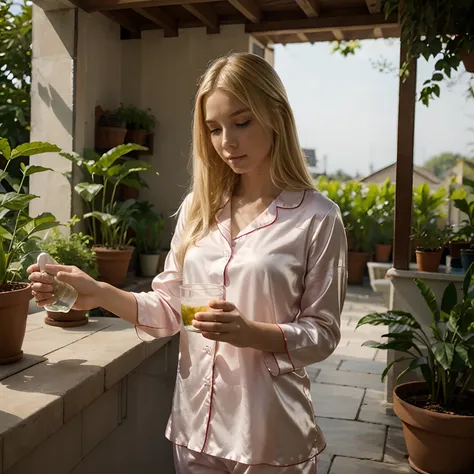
(210, 404)
(286, 346)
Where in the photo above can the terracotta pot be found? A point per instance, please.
(428, 260)
(356, 263)
(437, 443)
(71, 319)
(467, 257)
(382, 252)
(130, 193)
(456, 247)
(109, 137)
(13, 314)
(350, 244)
(468, 60)
(113, 264)
(136, 136)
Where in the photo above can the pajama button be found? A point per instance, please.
(207, 350)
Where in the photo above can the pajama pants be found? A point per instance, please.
(192, 462)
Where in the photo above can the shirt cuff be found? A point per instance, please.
(279, 363)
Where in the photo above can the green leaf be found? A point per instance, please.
(33, 169)
(88, 191)
(429, 297)
(108, 220)
(401, 345)
(3, 175)
(4, 234)
(450, 298)
(5, 148)
(437, 77)
(467, 280)
(439, 330)
(109, 158)
(16, 202)
(3, 212)
(458, 194)
(463, 353)
(469, 338)
(33, 148)
(444, 353)
(389, 366)
(44, 221)
(415, 363)
(388, 318)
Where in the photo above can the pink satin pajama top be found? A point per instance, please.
(288, 267)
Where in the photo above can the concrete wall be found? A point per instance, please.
(122, 432)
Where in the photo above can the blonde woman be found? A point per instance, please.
(254, 223)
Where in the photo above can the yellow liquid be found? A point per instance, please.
(188, 312)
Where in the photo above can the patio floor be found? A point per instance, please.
(348, 397)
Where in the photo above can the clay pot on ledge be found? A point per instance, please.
(71, 319)
(468, 60)
(382, 252)
(437, 443)
(356, 263)
(14, 302)
(428, 260)
(136, 136)
(113, 264)
(456, 246)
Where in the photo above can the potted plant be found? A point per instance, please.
(437, 412)
(71, 249)
(110, 220)
(111, 131)
(148, 227)
(18, 237)
(464, 236)
(383, 214)
(139, 122)
(442, 30)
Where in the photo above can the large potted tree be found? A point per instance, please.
(109, 220)
(437, 412)
(383, 215)
(18, 238)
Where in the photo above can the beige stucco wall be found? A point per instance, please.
(100, 69)
(418, 180)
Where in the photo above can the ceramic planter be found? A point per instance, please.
(149, 264)
(428, 260)
(113, 264)
(382, 252)
(356, 264)
(437, 443)
(13, 314)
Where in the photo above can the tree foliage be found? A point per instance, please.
(443, 163)
(15, 70)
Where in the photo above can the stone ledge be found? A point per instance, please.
(79, 365)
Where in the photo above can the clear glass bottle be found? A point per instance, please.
(66, 295)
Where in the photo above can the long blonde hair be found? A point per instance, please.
(256, 84)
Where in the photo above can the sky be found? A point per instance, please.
(347, 109)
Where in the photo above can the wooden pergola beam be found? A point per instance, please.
(378, 32)
(162, 19)
(338, 34)
(206, 14)
(310, 25)
(302, 37)
(404, 166)
(102, 5)
(248, 8)
(310, 7)
(374, 6)
(123, 20)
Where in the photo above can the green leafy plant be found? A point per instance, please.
(445, 358)
(135, 118)
(18, 230)
(110, 220)
(431, 29)
(464, 201)
(71, 249)
(148, 226)
(383, 213)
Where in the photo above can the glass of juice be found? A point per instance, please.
(195, 298)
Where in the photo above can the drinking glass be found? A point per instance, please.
(195, 298)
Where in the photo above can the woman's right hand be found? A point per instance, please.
(88, 288)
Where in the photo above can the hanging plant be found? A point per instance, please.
(429, 28)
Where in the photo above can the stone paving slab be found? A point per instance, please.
(374, 410)
(353, 438)
(335, 401)
(324, 462)
(350, 379)
(365, 366)
(395, 449)
(345, 465)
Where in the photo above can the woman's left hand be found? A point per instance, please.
(225, 324)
